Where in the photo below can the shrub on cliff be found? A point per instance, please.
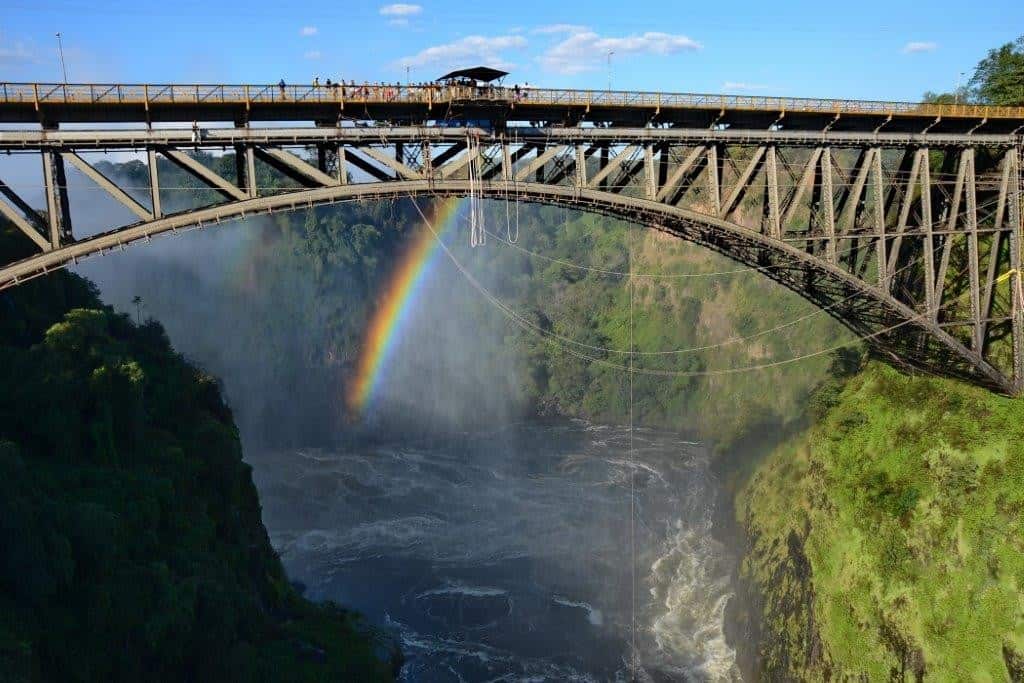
(131, 543)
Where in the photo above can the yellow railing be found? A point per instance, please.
(382, 93)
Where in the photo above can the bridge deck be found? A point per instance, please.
(52, 104)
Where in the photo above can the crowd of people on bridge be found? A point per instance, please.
(391, 92)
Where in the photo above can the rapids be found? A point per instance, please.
(507, 555)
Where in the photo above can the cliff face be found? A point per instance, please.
(131, 543)
(888, 540)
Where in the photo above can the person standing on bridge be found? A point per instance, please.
(280, 84)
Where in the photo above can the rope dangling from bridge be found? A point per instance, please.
(472, 198)
(508, 221)
(510, 173)
(477, 231)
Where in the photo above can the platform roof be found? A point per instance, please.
(477, 73)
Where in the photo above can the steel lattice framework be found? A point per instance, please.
(911, 238)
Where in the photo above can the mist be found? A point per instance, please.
(258, 324)
(491, 545)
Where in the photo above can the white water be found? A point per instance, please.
(506, 556)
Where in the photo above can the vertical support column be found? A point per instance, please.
(996, 244)
(878, 197)
(772, 168)
(714, 186)
(581, 166)
(250, 172)
(52, 202)
(62, 195)
(971, 217)
(912, 176)
(428, 159)
(154, 183)
(929, 239)
(241, 172)
(950, 223)
(342, 164)
(603, 185)
(1017, 278)
(828, 206)
(650, 173)
(506, 162)
(321, 157)
(663, 163)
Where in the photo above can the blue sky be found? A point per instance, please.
(872, 49)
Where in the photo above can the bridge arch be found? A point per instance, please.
(908, 337)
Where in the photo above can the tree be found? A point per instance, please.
(999, 77)
(137, 300)
(957, 97)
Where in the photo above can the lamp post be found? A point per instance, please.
(956, 93)
(60, 51)
(610, 53)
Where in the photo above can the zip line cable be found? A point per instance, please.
(526, 324)
(733, 340)
(669, 276)
(632, 478)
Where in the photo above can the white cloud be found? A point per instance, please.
(586, 50)
(308, 31)
(468, 51)
(919, 46)
(312, 54)
(740, 85)
(560, 28)
(398, 21)
(400, 9)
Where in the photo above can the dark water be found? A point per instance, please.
(507, 556)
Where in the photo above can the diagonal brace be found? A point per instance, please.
(192, 166)
(292, 165)
(108, 185)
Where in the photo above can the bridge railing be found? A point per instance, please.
(383, 93)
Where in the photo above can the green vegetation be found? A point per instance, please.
(997, 79)
(131, 544)
(322, 270)
(714, 322)
(888, 541)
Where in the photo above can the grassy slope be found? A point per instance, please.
(131, 544)
(889, 540)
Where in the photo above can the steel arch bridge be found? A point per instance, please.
(901, 221)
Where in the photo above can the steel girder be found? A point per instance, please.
(913, 242)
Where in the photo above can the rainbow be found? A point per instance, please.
(395, 305)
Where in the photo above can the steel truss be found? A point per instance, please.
(912, 240)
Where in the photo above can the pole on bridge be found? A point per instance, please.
(60, 51)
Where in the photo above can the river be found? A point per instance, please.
(507, 555)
